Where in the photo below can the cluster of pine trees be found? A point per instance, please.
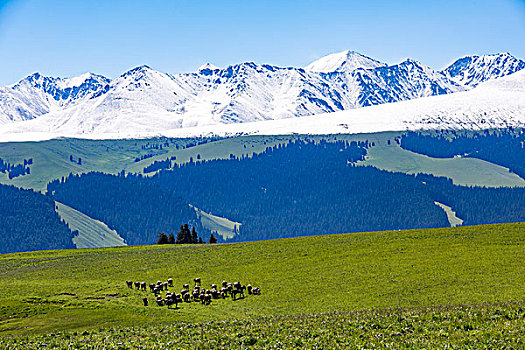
(158, 165)
(73, 160)
(15, 170)
(184, 237)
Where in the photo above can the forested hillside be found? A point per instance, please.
(304, 188)
(505, 147)
(136, 208)
(478, 205)
(28, 221)
(300, 189)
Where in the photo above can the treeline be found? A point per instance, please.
(179, 143)
(135, 208)
(307, 188)
(15, 170)
(158, 165)
(28, 221)
(504, 147)
(297, 189)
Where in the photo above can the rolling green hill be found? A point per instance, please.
(462, 171)
(50, 291)
(51, 159)
(56, 159)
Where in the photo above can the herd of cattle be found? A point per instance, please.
(198, 294)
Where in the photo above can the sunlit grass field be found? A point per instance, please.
(84, 290)
(486, 326)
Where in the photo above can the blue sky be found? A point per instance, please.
(67, 38)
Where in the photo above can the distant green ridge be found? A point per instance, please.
(92, 233)
(51, 159)
(462, 171)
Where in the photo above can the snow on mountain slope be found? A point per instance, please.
(404, 81)
(143, 98)
(497, 103)
(37, 95)
(345, 61)
(494, 104)
(472, 70)
(240, 93)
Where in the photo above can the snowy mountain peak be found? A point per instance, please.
(86, 78)
(473, 70)
(35, 80)
(207, 66)
(345, 61)
(36, 94)
(137, 71)
(411, 61)
(38, 80)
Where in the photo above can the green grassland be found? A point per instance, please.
(462, 171)
(92, 233)
(492, 326)
(84, 289)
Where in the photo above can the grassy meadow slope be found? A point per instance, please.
(462, 171)
(92, 233)
(222, 226)
(71, 290)
(51, 158)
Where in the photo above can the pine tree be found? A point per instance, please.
(171, 239)
(180, 235)
(187, 234)
(200, 240)
(162, 238)
(212, 240)
(194, 236)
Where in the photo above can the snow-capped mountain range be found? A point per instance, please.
(493, 104)
(146, 100)
(37, 95)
